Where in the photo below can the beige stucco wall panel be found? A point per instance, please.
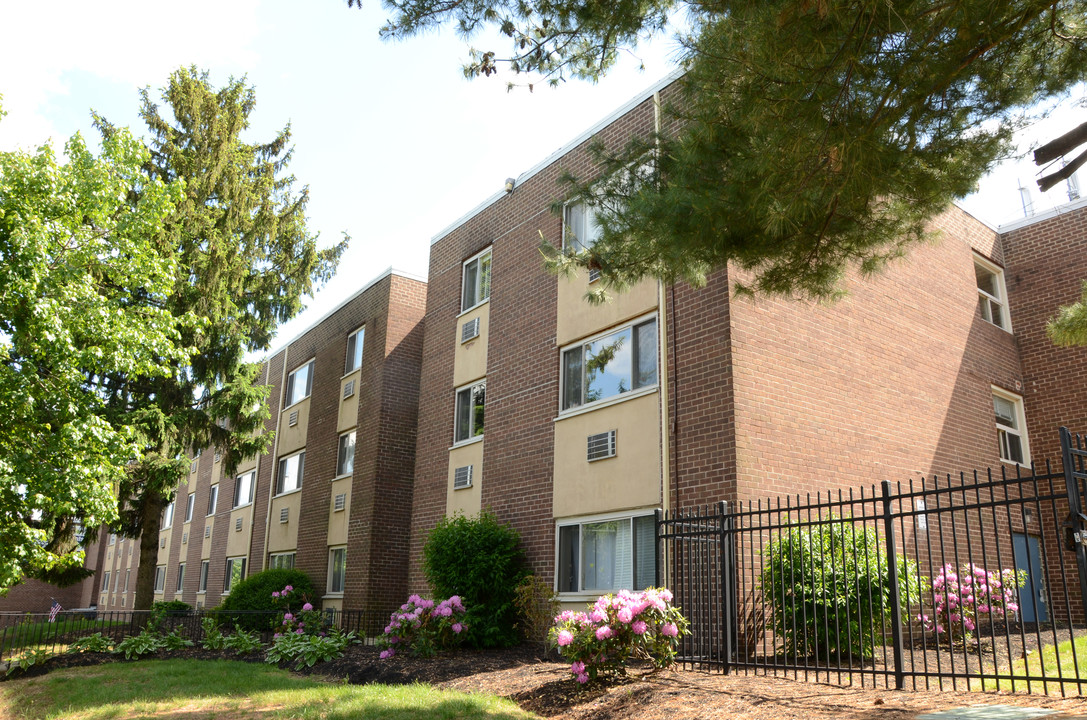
(284, 535)
(237, 541)
(470, 358)
(577, 318)
(337, 519)
(205, 548)
(293, 438)
(631, 479)
(466, 500)
(349, 406)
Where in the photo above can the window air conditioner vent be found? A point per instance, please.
(348, 389)
(184, 538)
(462, 477)
(469, 330)
(284, 514)
(207, 531)
(601, 446)
(238, 525)
(340, 502)
(292, 420)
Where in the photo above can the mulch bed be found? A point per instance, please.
(544, 686)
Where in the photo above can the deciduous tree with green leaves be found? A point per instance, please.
(809, 136)
(78, 258)
(244, 259)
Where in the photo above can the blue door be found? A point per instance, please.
(1032, 595)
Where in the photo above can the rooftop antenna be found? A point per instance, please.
(1028, 203)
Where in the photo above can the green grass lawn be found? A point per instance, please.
(224, 690)
(1045, 664)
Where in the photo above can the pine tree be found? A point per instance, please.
(810, 136)
(244, 260)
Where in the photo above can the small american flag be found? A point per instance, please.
(56, 608)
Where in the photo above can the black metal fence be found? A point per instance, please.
(38, 632)
(968, 582)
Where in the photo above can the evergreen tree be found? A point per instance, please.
(810, 136)
(244, 260)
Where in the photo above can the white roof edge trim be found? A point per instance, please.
(1043, 215)
(564, 149)
(384, 274)
(981, 220)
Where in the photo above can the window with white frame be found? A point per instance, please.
(204, 566)
(299, 384)
(337, 570)
(290, 473)
(127, 574)
(477, 280)
(189, 506)
(580, 229)
(168, 515)
(1011, 430)
(180, 576)
(105, 582)
(213, 499)
(345, 460)
(610, 365)
(243, 488)
(992, 293)
(470, 406)
(281, 561)
(112, 538)
(235, 572)
(354, 350)
(160, 578)
(606, 554)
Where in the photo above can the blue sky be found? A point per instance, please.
(392, 141)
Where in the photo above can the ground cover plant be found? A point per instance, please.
(222, 689)
(302, 636)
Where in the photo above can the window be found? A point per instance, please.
(243, 489)
(112, 538)
(337, 569)
(127, 573)
(213, 499)
(299, 384)
(290, 473)
(469, 419)
(580, 230)
(168, 516)
(235, 572)
(354, 350)
(607, 555)
(189, 507)
(477, 280)
(610, 365)
(281, 561)
(991, 293)
(1010, 427)
(180, 576)
(345, 462)
(204, 565)
(160, 578)
(105, 582)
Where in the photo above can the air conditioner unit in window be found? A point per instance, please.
(207, 531)
(340, 502)
(469, 330)
(348, 389)
(462, 477)
(184, 538)
(162, 542)
(292, 419)
(238, 525)
(594, 274)
(284, 514)
(601, 446)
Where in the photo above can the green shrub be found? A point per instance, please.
(537, 607)
(164, 609)
(480, 560)
(91, 643)
(829, 589)
(213, 638)
(254, 595)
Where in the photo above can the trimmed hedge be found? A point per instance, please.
(254, 595)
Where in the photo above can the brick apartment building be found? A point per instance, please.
(576, 422)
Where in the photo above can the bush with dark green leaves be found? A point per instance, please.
(481, 560)
(168, 608)
(829, 589)
(250, 604)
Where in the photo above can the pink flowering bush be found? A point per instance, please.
(303, 637)
(422, 627)
(617, 628)
(299, 616)
(962, 598)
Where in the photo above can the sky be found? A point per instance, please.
(393, 142)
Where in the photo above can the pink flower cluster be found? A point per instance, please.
(308, 621)
(423, 626)
(616, 627)
(961, 597)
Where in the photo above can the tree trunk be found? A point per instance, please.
(151, 506)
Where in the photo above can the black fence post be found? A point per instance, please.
(728, 599)
(1075, 502)
(896, 604)
(660, 545)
